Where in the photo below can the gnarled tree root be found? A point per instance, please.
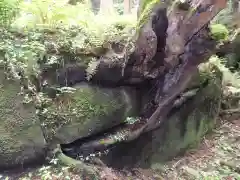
(87, 171)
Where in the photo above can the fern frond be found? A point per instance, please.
(92, 68)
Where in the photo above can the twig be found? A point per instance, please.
(230, 111)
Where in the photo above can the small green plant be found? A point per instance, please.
(219, 32)
(229, 78)
(131, 120)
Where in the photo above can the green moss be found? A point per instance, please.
(20, 131)
(27, 52)
(8, 11)
(83, 103)
(86, 108)
(219, 32)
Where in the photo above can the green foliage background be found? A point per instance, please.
(8, 11)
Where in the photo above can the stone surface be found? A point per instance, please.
(184, 126)
(87, 111)
(21, 137)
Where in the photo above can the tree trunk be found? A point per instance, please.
(95, 5)
(176, 56)
(127, 6)
(168, 49)
(106, 7)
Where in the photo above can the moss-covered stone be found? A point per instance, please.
(86, 111)
(185, 125)
(21, 138)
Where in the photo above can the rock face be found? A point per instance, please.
(21, 137)
(87, 111)
(185, 125)
(83, 112)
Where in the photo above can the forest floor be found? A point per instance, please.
(216, 158)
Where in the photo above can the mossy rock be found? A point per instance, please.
(184, 127)
(21, 137)
(187, 125)
(86, 111)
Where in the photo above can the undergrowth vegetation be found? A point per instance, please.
(31, 30)
(8, 11)
(229, 78)
(39, 25)
(51, 14)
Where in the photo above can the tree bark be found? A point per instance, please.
(127, 6)
(95, 6)
(187, 44)
(169, 47)
(106, 7)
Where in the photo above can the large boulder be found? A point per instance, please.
(185, 125)
(21, 137)
(86, 111)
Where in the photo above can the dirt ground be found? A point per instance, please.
(216, 158)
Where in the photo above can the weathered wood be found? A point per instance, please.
(145, 62)
(184, 25)
(188, 44)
